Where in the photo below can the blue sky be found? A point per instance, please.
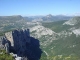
(39, 7)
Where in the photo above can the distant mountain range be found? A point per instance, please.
(50, 17)
(55, 18)
(14, 17)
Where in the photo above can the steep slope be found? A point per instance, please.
(61, 45)
(73, 21)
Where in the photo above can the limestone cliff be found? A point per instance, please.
(21, 43)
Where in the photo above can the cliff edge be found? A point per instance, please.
(21, 43)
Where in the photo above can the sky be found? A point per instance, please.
(39, 7)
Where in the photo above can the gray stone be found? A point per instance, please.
(18, 40)
(14, 55)
(7, 47)
(2, 42)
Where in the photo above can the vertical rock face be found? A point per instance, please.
(20, 42)
(17, 35)
(7, 47)
(18, 39)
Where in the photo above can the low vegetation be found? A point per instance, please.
(5, 56)
(56, 26)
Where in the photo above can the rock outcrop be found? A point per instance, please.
(18, 40)
(21, 43)
(1, 42)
